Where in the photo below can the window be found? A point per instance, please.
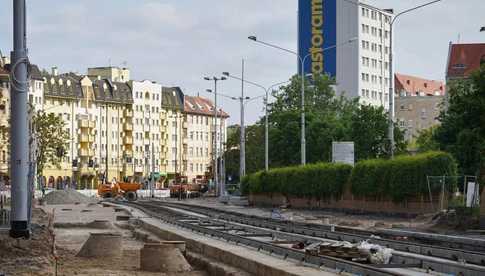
(423, 113)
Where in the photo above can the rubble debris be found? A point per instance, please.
(376, 254)
(298, 245)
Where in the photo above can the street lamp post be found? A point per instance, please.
(391, 74)
(266, 128)
(215, 171)
(302, 60)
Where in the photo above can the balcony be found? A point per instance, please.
(85, 123)
(128, 140)
(128, 113)
(128, 152)
(128, 126)
(86, 170)
(86, 152)
(83, 138)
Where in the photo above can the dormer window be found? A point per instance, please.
(459, 66)
(408, 82)
(68, 82)
(53, 81)
(425, 85)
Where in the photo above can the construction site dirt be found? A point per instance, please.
(59, 233)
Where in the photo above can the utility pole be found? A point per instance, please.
(19, 132)
(216, 155)
(242, 155)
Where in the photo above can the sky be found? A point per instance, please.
(178, 42)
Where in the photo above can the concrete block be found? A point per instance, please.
(102, 245)
(160, 257)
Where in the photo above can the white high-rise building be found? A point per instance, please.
(348, 40)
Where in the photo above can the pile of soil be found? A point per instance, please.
(66, 197)
(28, 257)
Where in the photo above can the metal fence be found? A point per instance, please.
(452, 191)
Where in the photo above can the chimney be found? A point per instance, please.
(55, 71)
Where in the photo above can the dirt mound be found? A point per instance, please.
(66, 197)
(28, 257)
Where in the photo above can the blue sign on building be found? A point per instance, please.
(317, 30)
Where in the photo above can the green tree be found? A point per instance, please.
(425, 140)
(328, 118)
(462, 129)
(254, 150)
(369, 131)
(52, 137)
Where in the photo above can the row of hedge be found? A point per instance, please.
(321, 180)
(397, 179)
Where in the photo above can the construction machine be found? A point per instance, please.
(116, 189)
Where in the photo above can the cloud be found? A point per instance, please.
(179, 42)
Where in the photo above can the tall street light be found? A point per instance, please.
(216, 79)
(302, 60)
(391, 74)
(19, 132)
(266, 135)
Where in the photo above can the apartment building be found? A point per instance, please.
(350, 41)
(147, 108)
(175, 131)
(96, 113)
(4, 125)
(36, 91)
(418, 103)
(119, 129)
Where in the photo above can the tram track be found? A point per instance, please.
(428, 257)
(258, 239)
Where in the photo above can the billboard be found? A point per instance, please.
(343, 152)
(317, 30)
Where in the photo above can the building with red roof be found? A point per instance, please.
(202, 140)
(406, 85)
(463, 59)
(417, 103)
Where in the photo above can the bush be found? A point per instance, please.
(320, 181)
(402, 177)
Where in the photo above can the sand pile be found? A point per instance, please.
(66, 197)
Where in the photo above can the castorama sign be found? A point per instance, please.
(317, 30)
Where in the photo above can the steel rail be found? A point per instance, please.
(455, 259)
(186, 221)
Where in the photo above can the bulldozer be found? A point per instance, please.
(116, 189)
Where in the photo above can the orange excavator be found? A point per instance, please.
(117, 189)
